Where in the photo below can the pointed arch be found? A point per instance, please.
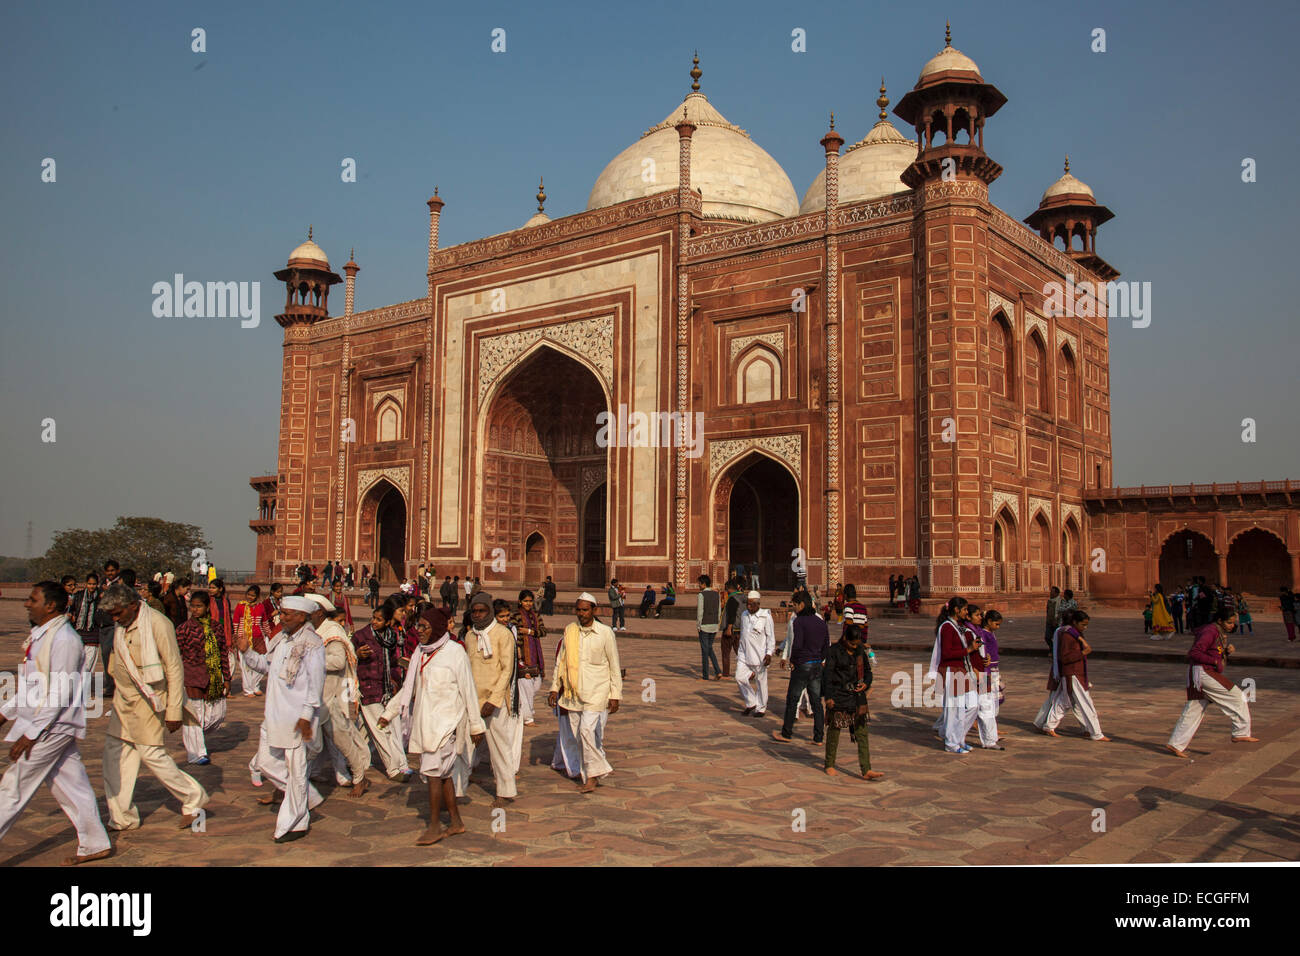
(1036, 374)
(1067, 393)
(388, 420)
(758, 375)
(1002, 357)
(757, 515)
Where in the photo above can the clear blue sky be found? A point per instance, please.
(213, 164)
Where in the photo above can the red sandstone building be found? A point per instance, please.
(881, 387)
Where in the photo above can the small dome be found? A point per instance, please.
(869, 169)
(1068, 185)
(949, 58)
(538, 219)
(310, 251)
(737, 178)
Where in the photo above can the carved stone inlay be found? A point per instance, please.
(856, 213)
(1071, 511)
(957, 189)
(1008, 499)
(789, 448)
(998, 302)
(1063, 338)
(400, 476)
(591, 338)
(1040, 504)
(591, 479)
(774, 339)
(1037, 322)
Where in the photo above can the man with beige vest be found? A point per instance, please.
(587, 686)
(492, 658)
(148, 703)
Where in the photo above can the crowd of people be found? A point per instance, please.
(419, 692)
(409, 691)
(1195, 604)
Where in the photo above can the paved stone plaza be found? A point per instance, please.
(697, 783)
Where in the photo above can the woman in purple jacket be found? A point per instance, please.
(1207, 683)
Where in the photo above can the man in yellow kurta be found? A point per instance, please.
(148, 702)
(587, 686)
(492, 656)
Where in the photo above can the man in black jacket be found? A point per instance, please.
(846, 680)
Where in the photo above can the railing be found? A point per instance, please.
(1166, 491)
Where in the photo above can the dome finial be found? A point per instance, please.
(947, 33)
(352, 253)
(541, 193)
(309, 232)
(882, 101)
(696, 73)
(832, 119)
(1067, 162)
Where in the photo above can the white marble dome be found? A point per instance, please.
(738, 180)
(949, 58)
(1068, 185)
(309, 250)
(869, 169)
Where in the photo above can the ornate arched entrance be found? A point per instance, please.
(1258, 562)
(592, 574)
(760, 499)
(539, 463)
(1186, 555)
(1005, 552)
(382, 531)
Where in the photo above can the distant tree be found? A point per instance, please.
(15, 569)
(145, 544)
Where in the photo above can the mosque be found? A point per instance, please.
(879, 385)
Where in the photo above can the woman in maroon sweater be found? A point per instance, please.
(1206, 683)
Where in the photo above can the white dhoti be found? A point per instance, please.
(200, 717)
(528, 688)
(90, 658)
(1230, 700)
(387, 740)
(568, 752)
(346, 744)
(587, 727)
(1070, 698)
(122, 760)
(255, 765)
(504, 741)
(751, 697)
(54, 759)
(250, 679)
(286, 768)
(960, 710)
(439, 764)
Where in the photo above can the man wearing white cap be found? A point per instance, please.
(342, 742)
(757, 644)
(295, 680)
(587, 686)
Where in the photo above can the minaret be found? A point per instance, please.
(685, 129)
(1069, 210)
(831, 143)
(435, 214)
(350, 268)
(307, 278)
(949, 178)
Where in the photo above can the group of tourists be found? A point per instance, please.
(407, 686)
(1197, 603)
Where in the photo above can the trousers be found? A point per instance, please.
(833, 745)
(54, 759)
(387, 740)
(286, 768)
(504, 744)
(1229, 700)
(122, 760)
(587, 727)
(751, 697)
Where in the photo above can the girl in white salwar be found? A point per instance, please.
(1207, 684)
(438, 705)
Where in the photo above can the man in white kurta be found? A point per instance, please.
(439, 703)
(49, 717)
(148, 702)
(295, 681)
(492, 658)
(754, 654)
(343, 742)
(588, 685)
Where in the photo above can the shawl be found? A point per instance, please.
(571, 657)
(484, 641)
(150, 669)
(297, 653)
(421, 656)
(86, 611)
(212, 660)
(224, 606)
(336, 634)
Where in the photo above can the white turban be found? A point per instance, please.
(586, 596)
(298, 602)
(326, 604)
(754, 596)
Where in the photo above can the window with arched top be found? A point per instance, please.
(758, 377)
(1002, 358)
(388, 421)
(1067, 395)
(1036, 381)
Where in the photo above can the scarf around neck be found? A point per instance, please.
(419, 658)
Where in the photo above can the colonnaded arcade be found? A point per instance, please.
(879, 380)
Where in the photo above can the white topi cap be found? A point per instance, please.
(326, 604)
(754, 596)
(586, 596)
(297, 602)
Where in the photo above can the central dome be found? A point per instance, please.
(738, 180)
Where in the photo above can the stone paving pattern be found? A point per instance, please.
(696, 783)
